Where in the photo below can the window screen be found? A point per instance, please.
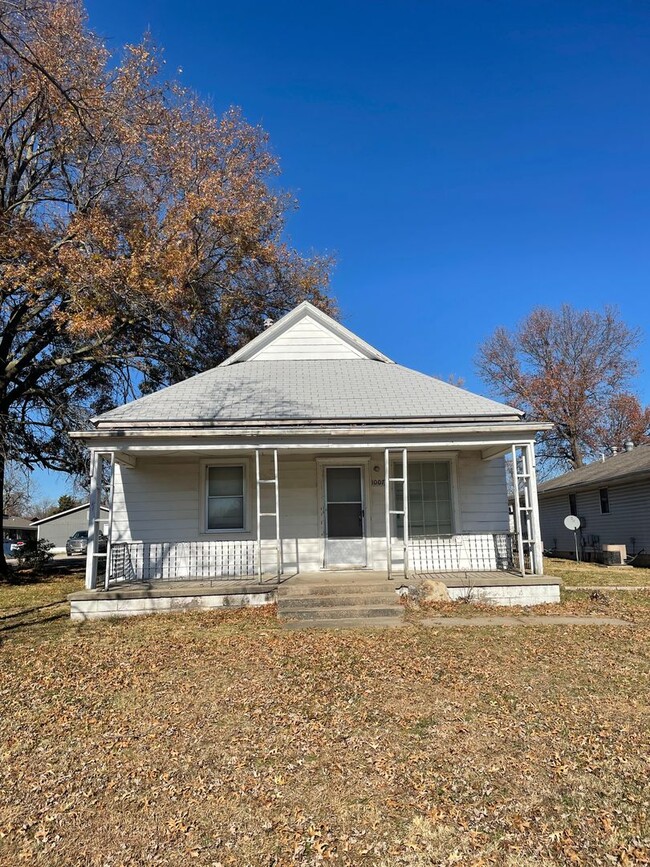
(225, 486)
(429, 493)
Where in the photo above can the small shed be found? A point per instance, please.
(58, 528)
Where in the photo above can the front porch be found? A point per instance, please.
(266, 513)
(343, 592)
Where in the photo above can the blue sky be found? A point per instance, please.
(464, 161)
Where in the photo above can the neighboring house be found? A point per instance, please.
(15, 529)
(58, 528)
(289, 457)
(612, 500)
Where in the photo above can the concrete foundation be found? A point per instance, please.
(135, 600)
(541, 595)
(360, 588)
(505, 588)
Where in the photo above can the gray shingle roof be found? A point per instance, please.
(15, 523)
(615, 469)
(307, 390)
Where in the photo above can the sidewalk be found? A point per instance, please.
(525, 620)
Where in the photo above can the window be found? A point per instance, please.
(604, 501)
(573, 506)
(429, 493)
(225, 497)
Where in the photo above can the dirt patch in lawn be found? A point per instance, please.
(218, 738)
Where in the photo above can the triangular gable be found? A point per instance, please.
(306, 333)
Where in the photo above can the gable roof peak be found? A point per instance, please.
(306, 333)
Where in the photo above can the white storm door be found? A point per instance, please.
(345, 543)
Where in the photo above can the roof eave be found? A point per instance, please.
(595, 484)
(518, 428)
(239, 424)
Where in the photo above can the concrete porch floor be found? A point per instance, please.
(216, 586)
(496, 578)
(501, 588)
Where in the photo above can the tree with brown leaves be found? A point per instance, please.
(141, 239)
(571, 367)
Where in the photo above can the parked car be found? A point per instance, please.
(78, 543)
(20, 545)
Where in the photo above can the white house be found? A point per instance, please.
(309, 450)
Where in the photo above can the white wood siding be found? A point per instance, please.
(628, 517)
(482, 494)
(304, 340)
(160, 501)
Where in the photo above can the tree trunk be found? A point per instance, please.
(577, 458)
(4, 566)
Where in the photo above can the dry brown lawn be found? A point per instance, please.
(222, 739)
(580, 574)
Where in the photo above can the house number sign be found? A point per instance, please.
(377, 482)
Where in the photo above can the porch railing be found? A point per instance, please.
(476, 552)
(217, 560)
(180, 561)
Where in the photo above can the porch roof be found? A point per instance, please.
(315, 390)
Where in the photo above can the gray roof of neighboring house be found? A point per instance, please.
(619, 468)
(15, 523)
(307, 390)
(65, 512)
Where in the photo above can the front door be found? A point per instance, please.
(345, 543)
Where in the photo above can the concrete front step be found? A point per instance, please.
(343, 601)
(348, 612)
(292, 603)
(370, 588)
(345, 623)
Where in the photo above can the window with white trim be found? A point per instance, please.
(430, 498)
(226, 499)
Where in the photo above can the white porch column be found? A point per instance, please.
(389, 480)
(96, 467)
(275, 481)
(527, 515)
(517, 510)
(109, 540)
(537, 548)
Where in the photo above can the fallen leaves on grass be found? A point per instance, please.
(219, 738)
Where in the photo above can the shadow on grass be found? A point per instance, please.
(21, 576)
(41, 621)
(23, 612)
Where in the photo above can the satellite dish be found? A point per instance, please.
(572, 523)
